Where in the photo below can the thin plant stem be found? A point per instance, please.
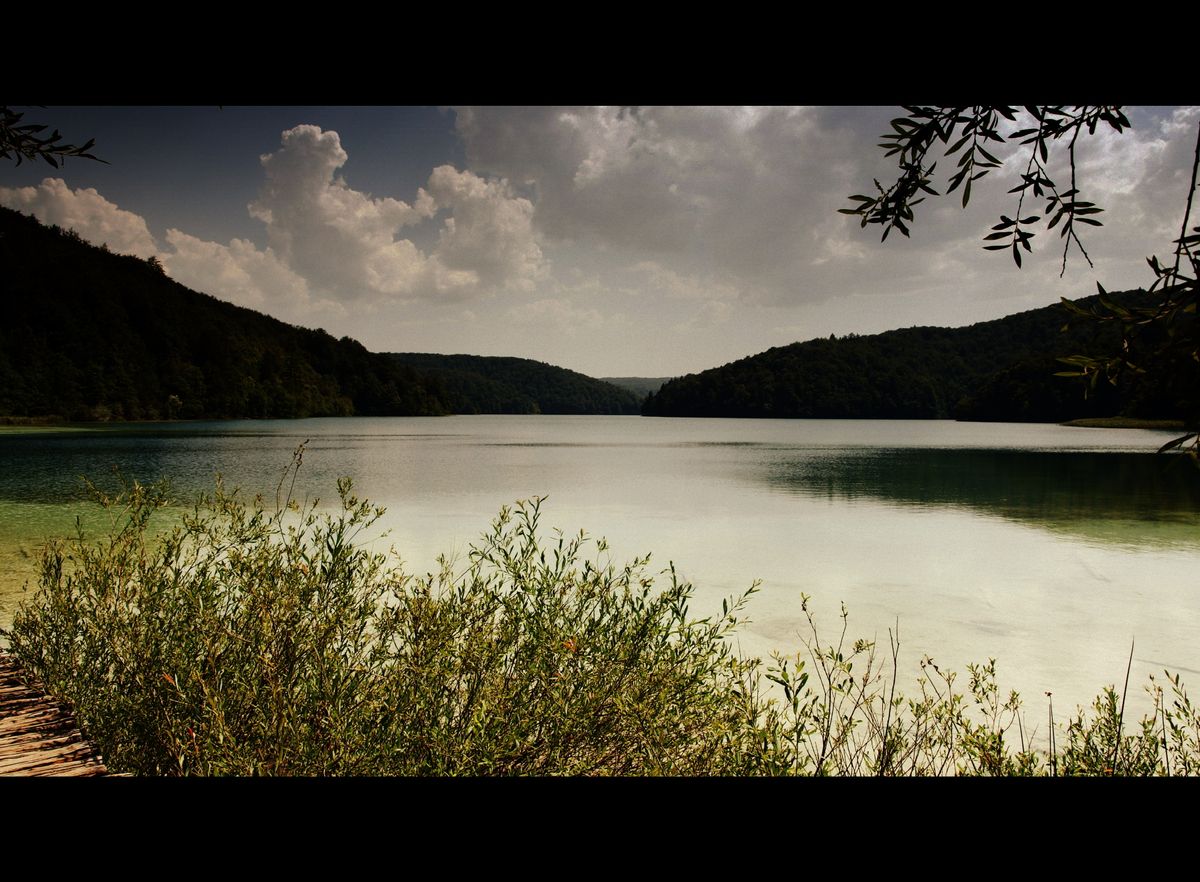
(1121, 715)
(1188, 209)
(1053, 750)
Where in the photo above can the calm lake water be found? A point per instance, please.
(1045, 547)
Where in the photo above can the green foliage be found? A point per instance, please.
(491, 384)
(972, 129)
(20, 141)
(90, 335)
(999, 370)
(1161, 339)
(249, 639)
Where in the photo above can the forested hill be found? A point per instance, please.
(489, 384)
(998, 370)
(90, 335)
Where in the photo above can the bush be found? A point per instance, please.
(249, 641)
(256, 640)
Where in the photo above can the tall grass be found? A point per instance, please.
(257, 639)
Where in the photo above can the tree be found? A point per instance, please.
(1162, 335)
(25, 141)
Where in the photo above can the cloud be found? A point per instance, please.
(747, 199)
(86, 212)
(1146, 173)
(241, 273)
(347, 244)
(558, 314)
(330, 246)
(661, 281)
(490, 231)
(730, 193)
(342, 241)
(719, 223)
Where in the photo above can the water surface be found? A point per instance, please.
(1045, 547)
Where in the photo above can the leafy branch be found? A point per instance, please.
(1166, 332)
(967, 132)
(25, 141)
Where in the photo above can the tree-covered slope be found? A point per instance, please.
(91, 335)
(488, 384)
(996, 370)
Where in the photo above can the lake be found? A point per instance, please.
(1045, 547)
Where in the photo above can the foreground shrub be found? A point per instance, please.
(269, 640)
(250, 641)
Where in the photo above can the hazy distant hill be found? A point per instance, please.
(999, 370)
(488, 384)
(90, 335)
(639, 386)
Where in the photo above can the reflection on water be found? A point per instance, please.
(1110, 496)
(1042, 546)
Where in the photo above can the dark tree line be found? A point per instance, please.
(493, 384)
(1000, 370)
(90, 335)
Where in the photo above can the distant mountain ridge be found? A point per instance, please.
(1000, 370)
(639, 386)
(90, 335)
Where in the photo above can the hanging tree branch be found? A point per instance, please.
(24, 141)
(917, 133)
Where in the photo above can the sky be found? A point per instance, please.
(649, 241)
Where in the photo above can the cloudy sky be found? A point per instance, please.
(616, 242)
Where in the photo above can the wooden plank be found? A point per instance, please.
(38, 735)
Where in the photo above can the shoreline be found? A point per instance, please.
(1120, 422)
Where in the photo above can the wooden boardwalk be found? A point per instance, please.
(38, 735)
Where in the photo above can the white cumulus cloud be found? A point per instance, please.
(348, 245)
(240, 273)
(329, 246)
(86, 212)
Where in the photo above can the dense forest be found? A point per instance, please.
(1000, 370)
(90, 335)
(493, 384)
